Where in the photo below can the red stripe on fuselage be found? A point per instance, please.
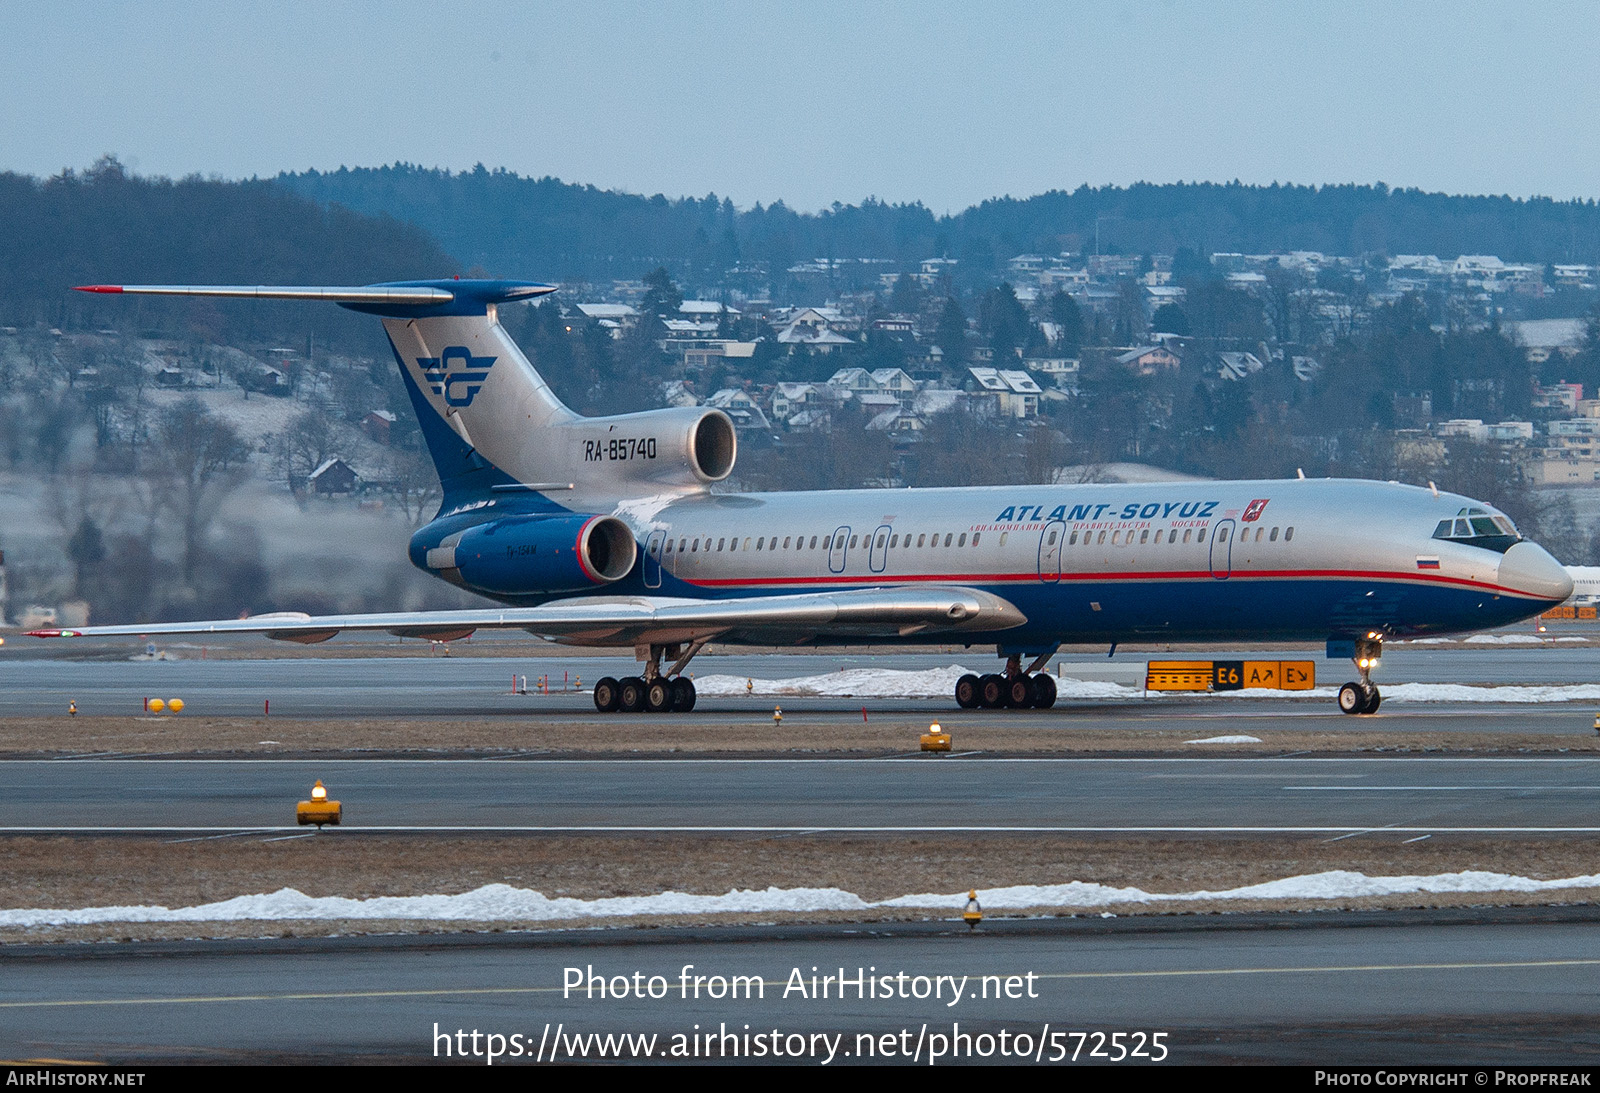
(1067, 578)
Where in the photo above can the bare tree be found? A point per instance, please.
(308, 441)
(200, 457)
(413, 482)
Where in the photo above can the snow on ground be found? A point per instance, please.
(1493, 639)
(940, 682)
(502, 903)
(1226, 740)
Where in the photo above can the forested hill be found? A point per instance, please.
(104, 225)
(516, 226)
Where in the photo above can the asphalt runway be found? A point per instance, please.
(1422, 795)
(1357, 989)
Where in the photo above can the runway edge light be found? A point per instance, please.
(319, 810)
(935, 739)
(974, 913)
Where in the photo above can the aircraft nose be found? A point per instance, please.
(1528, 568)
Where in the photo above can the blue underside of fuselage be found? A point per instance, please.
(1135, 609)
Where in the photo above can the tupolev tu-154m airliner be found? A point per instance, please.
(605, 532)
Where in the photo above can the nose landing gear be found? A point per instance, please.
(1363, 697)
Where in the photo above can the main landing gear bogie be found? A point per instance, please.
(1012, 689)
(655, 691)
(634, 694)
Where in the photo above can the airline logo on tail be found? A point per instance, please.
(456, 374)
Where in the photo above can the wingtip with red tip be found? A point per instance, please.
(96, 288)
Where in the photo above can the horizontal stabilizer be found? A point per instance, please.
(452, 296)
(374, 294)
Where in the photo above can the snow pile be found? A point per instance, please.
(1460, 692)
(883, 683)
(502, 903)
(1225, 740)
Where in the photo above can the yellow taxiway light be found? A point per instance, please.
(319, 810)
(935, 739)
(175, 705)
(777, 715)
(973, 914)
(155, 705)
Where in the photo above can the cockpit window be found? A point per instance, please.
(1475, 526)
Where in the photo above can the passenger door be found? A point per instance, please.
(1050, 543)
(1222, 548)
(836, 549)
(878, 552)
(653, 547)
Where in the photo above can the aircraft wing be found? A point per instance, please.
(635, 620)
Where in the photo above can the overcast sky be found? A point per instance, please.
(815, 102)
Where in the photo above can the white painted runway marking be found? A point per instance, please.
(920, 829)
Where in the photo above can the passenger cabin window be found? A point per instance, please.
(853, 539)
(1072, 540)
(1051, 539)
(1144, 536)
(1200, 535)
(1273, 538)
(963, 540)
(1474, 526)
(1288, 533)
(922, 539)
(814, 543)
(947, 539)
(975, 537)
(1003, 535)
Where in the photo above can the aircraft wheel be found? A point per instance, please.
(682, 695)
(605, 694)
(1352, 698)
(992, 691)
(1019, 692)
(630, 695)
(1373, 701)
(1044, 691)
(969, 695)
(658, 695)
